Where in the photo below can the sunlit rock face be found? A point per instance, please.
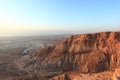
(84, 53)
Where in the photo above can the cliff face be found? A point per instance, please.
(85, 53)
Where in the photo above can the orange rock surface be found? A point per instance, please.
(86, 55)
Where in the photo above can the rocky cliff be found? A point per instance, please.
(84, 54)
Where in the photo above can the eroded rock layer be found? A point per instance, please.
(84, 53)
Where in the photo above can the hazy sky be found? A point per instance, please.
(58, 16)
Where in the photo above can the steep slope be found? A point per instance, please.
(85, 53)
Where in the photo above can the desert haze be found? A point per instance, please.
(13, 48)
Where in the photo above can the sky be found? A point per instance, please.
(20, 17)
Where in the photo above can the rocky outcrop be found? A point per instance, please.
(85, 53)
(80, 76)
